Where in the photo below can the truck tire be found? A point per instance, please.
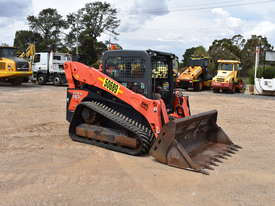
(216, 90)
(198, 86)
(17, 81)
(57, 80)
(233, 90)
(41, 79)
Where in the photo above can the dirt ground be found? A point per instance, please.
(40, 165)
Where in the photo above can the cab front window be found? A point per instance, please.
(227, 67)
(7, 52)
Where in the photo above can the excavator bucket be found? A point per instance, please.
(195, 142)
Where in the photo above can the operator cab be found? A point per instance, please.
(149, 72)
(228, 65)
(199, 61)
(7, 52)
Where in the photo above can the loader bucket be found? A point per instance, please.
(195, 142)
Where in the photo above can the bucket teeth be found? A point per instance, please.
(213, 163)
(194, 142)
(234, 148)
(208, 167)
(217, 160)
(230, 151)
(226, 154)
(203, 172)
(221, 156)
(237, 146)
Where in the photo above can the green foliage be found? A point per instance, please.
(212, 67)
(224, 49)
(249, 51)
(83, 30)
(267, 72)
(49, 24)
(235, 48)
(90, 49)
(200, 51)
(251, 74)
(87, 25)
(194, 51)
(187, 55)
(23, 38)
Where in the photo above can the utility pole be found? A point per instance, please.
(77, 52)
(257, 59)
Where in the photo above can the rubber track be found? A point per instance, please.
(143, 133)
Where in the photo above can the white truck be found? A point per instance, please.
(264, 86)
(48, 67)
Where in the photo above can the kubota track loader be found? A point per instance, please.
(132, 107)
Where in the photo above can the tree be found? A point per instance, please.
(249, 51)
(239, 41)
(200, 51)
(96, 18)
(194, 51)
(224, 49)
(187, 55)
(49, 25)
(23, 38)
(90, 49)
(87, 25)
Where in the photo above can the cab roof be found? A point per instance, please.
(229, 61)
(7, 47)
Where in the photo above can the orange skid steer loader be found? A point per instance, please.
(133, 107)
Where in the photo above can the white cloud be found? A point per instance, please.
(139, 12)
(265, 28)
(12, 18)
(162, 24)
(226, 24)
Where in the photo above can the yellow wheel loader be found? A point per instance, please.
(13, 69)
(196, 75)
(227, 78)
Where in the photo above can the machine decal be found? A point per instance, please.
(111, 86)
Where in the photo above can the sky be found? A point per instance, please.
(167, 25)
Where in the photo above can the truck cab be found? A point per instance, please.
(227, 77)
(48, 67)
(12, 68)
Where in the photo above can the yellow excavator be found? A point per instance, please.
(227, 78)
(13, 69)
(196, 75)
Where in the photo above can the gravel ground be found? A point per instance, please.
(40, 165)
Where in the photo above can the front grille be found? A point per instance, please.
(220, 79)
(2, 66)
(22, 66)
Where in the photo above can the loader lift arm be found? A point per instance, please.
(132, 107)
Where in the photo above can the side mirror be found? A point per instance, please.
(240, 68)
